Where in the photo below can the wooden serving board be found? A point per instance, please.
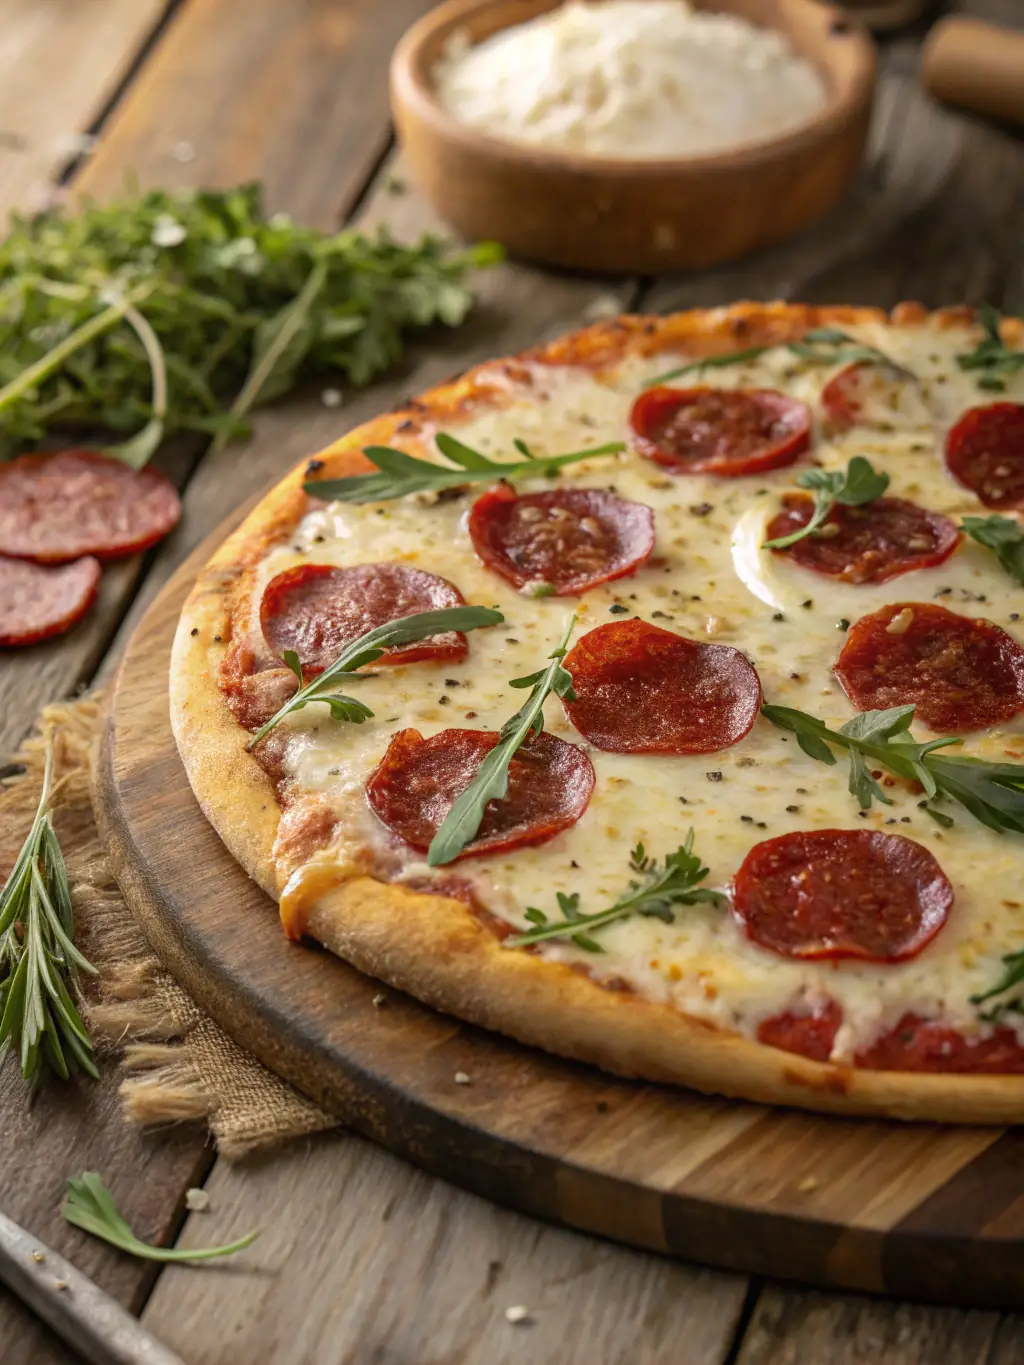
(919, 1211)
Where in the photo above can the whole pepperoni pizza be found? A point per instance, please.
(656, 697)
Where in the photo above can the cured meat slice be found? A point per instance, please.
(869, 544)
(418, 781)
(726, 432)
(570, 539)
(811, 1034)
(55, 508)
(838, 893)
(37, 601)
(985, 452)
(872, 394)
(318, 609)
(961, 673)
(641, 689)
(917, 1044)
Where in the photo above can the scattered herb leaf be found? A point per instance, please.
(992, 358)
(860, 484)
(1004, 537)
(820, 346)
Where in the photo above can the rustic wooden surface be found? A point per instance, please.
(918, 1209)
(935, 215)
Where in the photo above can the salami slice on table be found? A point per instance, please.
(960, 672)
(726, 432)
(985, 452)
(641, 689)
(872, 394)
(570, 539)
(37, 601)
(318, 609)
(55, 508)
(838, 893)
(418, 781)
(870, 544)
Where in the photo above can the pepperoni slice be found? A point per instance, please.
(833, 893)
(643, 690)
(985, 452)
(871, 394)
(37, 601)
(865, 544)
(811, 1035)
(418, 781)
(917, 1044)
(572, 539)
(727, 432)
(55, 508)
(960, 673)
(318, 609)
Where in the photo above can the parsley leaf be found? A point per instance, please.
(405, 631)
(657, 893)
(401, 474)
(992, 792)
(1004, 537)
(491, 782)
(859, 485)
(992, 358)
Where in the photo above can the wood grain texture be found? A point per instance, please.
(292, 95)
(92, 47)
(389, 1265)
(882, 1206)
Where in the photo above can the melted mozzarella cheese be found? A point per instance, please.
(708, 579)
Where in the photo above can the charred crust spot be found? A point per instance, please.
(314, 467)
(407, 424)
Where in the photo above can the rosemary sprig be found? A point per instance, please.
(405, 631)
(820, 346)
(992, 358)
(860, 484)
(992, 792)
(90, 1206)
(1003, 536)
(491, 782)
(39, 962)
(401, 474)
(658, 891)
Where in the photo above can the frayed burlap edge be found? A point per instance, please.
(178, 1064)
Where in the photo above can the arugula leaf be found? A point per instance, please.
(820, 346)
(658, 892)
(1013, 975)
(401, 474)
(992, 792)
(405, 631)
(203, 298)
(860, 484)
(1003, 536)
(90, 1206)
(991, 357)
(491, 782)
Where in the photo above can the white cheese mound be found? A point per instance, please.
(630, 78)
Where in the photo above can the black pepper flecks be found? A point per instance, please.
(700, 509)
(617, 609)
(443, 700)
(194, 630)
(778, 616)
(713, 777)
(842, 624)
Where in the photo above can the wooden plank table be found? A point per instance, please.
(363, 1258)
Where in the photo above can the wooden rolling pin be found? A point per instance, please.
(976, 66)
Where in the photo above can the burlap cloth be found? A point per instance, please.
(178, 1065)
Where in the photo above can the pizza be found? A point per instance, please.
(656, 698)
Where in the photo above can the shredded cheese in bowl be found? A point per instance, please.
(630, 78)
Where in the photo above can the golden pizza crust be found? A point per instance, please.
(434, 947)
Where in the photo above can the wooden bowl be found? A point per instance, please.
(649, 216)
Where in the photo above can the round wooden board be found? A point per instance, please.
(920, 1211)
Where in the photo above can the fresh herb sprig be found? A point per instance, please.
(992, 792)
(405, 631)
(659, 890)
(185, 310)
(1012, 976)
(820, 346)
(991, 358)
(401, 474)
(491, 781)
(90, 1206)
(1004, 537)
(858, 485)
(39, 963)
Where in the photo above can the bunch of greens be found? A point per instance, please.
(184, 311)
